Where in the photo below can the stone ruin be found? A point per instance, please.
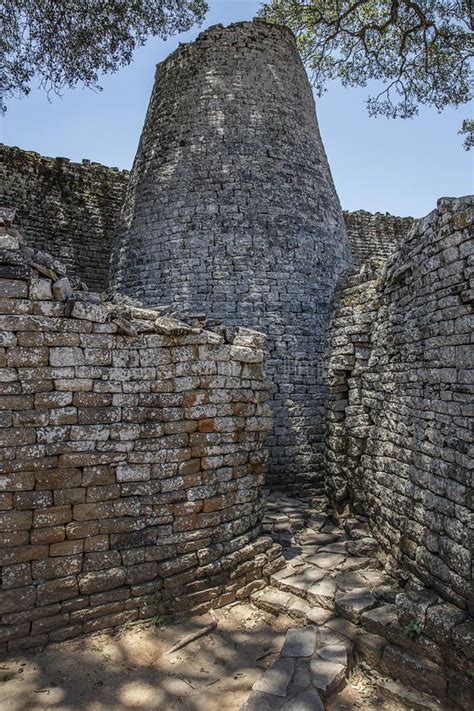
(134, 424)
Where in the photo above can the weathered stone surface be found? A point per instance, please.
(352, 604)
(272, 600)
(461, 689)
(318, 615)
(300, 642)
(62, 289)
(463, 638)
(326, 676)
(411, 669)
(259, 701)
(374, 235)
(398, 375)
(303, 582)
(440, 622)
(416, 700)
(370, 647)
(76, 222)
(375, 620)
(328, 561)
(343, 627)
(275, 679)
(322, 593)
(334, 653)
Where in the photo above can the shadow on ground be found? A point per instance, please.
(128, 669)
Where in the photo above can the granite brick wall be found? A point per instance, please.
(231, 211)
(132, 459)
(374, 235)
(400, 373)
(64, 208)
(53, 203)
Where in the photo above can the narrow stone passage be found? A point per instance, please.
(349, 611)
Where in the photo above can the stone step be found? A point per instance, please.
(298, 583)
(311, 666)
(274, 600)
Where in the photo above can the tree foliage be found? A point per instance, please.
(467, 130)
(69, 42)
(418, 49)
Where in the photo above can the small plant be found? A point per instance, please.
(413, 628)
(157, 621)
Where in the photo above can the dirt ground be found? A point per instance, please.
(128, 670)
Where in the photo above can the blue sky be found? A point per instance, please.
(382, 165)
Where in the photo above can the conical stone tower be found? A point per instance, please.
(231, 211)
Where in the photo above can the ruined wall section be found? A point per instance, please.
(67, 209)
(400, 374)
(132, 460)
(374, 235)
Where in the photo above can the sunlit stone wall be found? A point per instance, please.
(399, 416)
(231, 211)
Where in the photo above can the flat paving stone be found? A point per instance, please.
(328, 636)
(317, 521)
(337, 547)
(326, 676)
(322, 593)
(307, 700)
(363, 546)
(275, 679)
(258, 701)
(356, 563)
(377, 578)
(329, 561)
(318, 539)
(350, 580)
(302, 581)
(301, 678)
(300, 608)
(334, 653)
(300, 642)
(319, 615)
(343, 627)
(286, 572)
(352, 604)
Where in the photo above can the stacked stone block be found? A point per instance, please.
(400, 405)
(132, 459)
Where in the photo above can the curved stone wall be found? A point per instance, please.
(131, 459)
(400, 405)
(231, 210)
